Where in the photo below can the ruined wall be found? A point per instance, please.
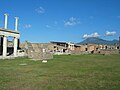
(109, 51)
(37, 51)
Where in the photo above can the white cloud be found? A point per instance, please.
(110, 33)
(40, 10)
(71, 22)
(91, 35)
(48, 26)
(118, 17)
(28, 26)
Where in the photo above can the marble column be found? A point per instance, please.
(15, 46)
(4, 46)
(6, 21)
(16, 23)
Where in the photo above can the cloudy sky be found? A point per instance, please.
(63, 20)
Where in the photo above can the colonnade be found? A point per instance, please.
(5, 44)
(6, 33)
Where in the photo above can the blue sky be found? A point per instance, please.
(63, 20)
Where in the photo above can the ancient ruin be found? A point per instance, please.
(4, 33)
(11, 49)
(37, 51)
(59, 48)
(44, 51)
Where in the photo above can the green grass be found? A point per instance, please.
(72, 72)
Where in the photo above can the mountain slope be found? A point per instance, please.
(95, 40)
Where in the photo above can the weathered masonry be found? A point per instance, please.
(5, 33)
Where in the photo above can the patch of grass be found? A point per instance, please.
(64, 72)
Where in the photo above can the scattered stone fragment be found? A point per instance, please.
(23, 64)
(44, 61)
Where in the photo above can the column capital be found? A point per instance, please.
(6, 14)
(4, 35)
(16, 17)
(16, 37)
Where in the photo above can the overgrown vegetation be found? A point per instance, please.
(72, 72)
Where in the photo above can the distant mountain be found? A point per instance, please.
(96, 40)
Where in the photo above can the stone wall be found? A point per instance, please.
(37, 51)
(109, 51)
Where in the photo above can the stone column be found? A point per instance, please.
(65, 46)
(70, 47)
(73, 47)
(4, 46)
(16, 23)
(15, 46)
(6, 21)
